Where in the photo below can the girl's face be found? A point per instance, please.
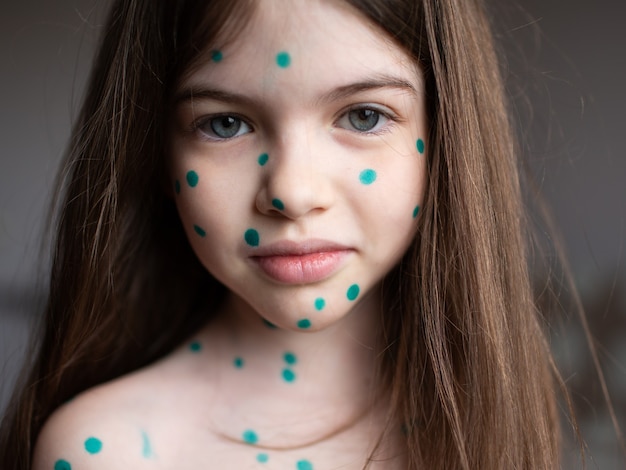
(297, 161)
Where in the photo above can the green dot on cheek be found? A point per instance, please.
(421, 147)
(195, 347)
(283, 60)
(320, 304)
(238, 362)
(263, 158)
(199, 230)
(250, 437)
(290, 358)
(217, 56)
(353, 292)
(416, 211)
(177, 186)
(289, 375)
(93, 445)
(62, 465)
(367, 176)
(252, 237)
(192, 178)
(304, 323)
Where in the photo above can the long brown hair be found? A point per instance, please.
(466, 364)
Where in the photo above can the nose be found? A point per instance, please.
(296, 182)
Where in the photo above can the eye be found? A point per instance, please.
(364, 119)
(222, 127)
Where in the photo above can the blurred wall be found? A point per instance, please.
(566, 57)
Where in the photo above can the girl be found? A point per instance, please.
(289, 238)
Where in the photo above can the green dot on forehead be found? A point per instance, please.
(367, 176)
(199, 230)
(216, 56)
(263, 158)
(304, 465)
(304, 324)
(62, 465)
(320, 304)
(416, 211)
(192, 178)
(283, 60)
(421, 146)
(250, 437)
(252, 237)
(93, 445)
(278, 204)
(353, 292)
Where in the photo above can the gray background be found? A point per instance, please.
(566, 57)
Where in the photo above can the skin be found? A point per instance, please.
(233, 379)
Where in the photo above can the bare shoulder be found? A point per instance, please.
(110, 426)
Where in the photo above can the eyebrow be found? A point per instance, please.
(344, 91)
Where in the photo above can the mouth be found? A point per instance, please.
(301, 263)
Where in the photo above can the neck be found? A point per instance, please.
(292, 388)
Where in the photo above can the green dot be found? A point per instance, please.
(353, 292)
(416, 211)
(192, 178)
(304, 465)
(252, 237)
(320, 304)
(195, 347)
(250, 437)
(367, 176)
(289, 375)
(238, 362)
(93, 445)
(262, 458)
(278, 204)
(199, 230)
(290, 358)
(283, 60)
(420, 146)
(304, 324)
(217, 56)
(177, 186)
(62, 465)
(263, 158)
(269, 324)
(147, 447)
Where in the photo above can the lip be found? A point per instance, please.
(306, 262)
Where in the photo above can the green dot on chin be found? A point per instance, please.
(304, 465)
(304, 324)
(263, 158)
(262, 458)
(252, 237)
(367, 177)
(250, 437)
(283, 59)
(269, 324)
(320, 304)
(289, 375)
(192, 178)
(290, 358)
(62, 465)
(353, 292)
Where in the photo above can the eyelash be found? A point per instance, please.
(389, 119)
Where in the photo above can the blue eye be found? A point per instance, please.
(223, 127)
(365, 119)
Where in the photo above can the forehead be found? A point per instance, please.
(327, 42)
